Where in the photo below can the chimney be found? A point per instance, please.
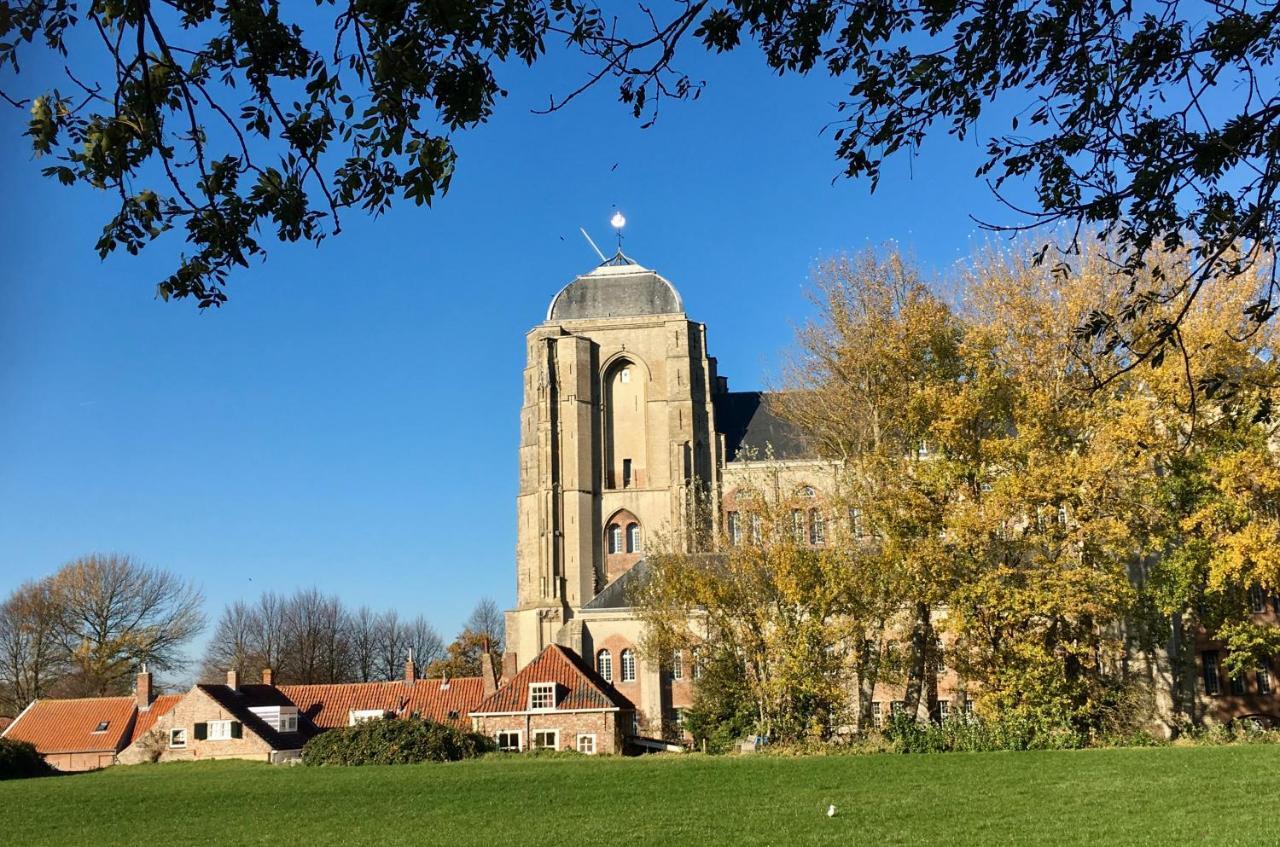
(410, 672)
(143, 694)
(233, 680)
(486, 671)
(266, 677)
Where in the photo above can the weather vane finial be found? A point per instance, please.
(618, 222)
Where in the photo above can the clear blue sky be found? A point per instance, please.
(350, 419)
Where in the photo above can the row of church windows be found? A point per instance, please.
(806, 527)
(604, 665)
(1213, 677)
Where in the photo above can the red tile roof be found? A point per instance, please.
(68, 726)
(329, 706)
(147, 717)
(578, 686)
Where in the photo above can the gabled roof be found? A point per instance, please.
(68, 726)
(237, 702)
(443, 701)
(752, 430)
(578, 685)
(147, 717)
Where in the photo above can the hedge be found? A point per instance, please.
(19, 759)
(394, 742)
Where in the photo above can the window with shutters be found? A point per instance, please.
(219, 730)
(628, 666)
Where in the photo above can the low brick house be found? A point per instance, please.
(556, 702)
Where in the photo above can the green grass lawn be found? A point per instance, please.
(1161, 796)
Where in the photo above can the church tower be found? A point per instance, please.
(616, 426)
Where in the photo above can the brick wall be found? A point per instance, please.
(195, 707)
(607, 727)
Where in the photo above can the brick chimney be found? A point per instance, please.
(143, 693)
(410, 672)
(233, 680)
(267, 677)
(486, 671)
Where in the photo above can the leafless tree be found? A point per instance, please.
(488, 621)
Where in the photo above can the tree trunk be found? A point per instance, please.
(921, 642)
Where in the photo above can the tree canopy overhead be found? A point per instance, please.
(1157, 124)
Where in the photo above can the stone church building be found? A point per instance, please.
(624, 415)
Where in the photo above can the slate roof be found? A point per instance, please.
(747, 421)
(67, 726)
(618, 288)
(443, 701)
(578, 686)
(617, 594)
(147, 717)
(237, 703)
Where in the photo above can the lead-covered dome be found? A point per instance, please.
(618, 288)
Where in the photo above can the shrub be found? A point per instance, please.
(19, 759)
(394, 742)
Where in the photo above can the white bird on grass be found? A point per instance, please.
(831, 811)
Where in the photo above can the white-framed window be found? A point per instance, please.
(101, 727)
(677, 664)
(633, 538)
(797, 526)
(509, 740)
(542, 696)
(219, 730)
(177, 738)
(896, 707)
(757, 529)
(288, 723)
(697, 663)
(587, 744)
(855, 523)
(546, 739)
(1264, 681)
(628, 666)
(356, 716)
(944, 709)
(968, 708)
(817, 528)
(604, 665)
(877, 716)
(615, 538)
(679, 719)
(1062, 516)
(734, 526)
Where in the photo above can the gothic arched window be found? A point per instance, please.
(817, 528)
(633, 538)
(604, 665)
(628, 666)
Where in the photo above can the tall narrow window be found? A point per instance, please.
(677, 664)
(817, 528)
(1237, 684)
(626, 473)
(855, 523)
(604, 665)
(734, 529)
(797, 526)
(633, 538)
(757, 529)
(1212, 682)
(697, 663)
(1264, 681)
(615, 538)
(628, 666)
(1257, 600)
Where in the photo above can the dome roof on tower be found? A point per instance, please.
(618, 288)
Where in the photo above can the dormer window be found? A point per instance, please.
(102, 726)
(542, 696)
